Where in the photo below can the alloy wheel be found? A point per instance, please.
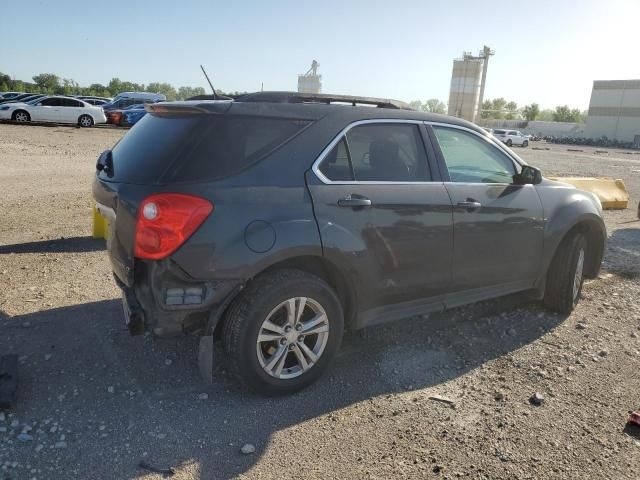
(86, 121)
(292, 338)
(22, 117)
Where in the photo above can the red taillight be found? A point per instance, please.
(166, 221)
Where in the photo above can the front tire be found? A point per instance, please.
(509, 143)
(566, 275)
(525, 144)
(283, 331)
(85, 121)
(21, 116)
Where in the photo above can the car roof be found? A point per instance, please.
(341, 108)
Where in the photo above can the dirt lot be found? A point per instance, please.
(94, 402)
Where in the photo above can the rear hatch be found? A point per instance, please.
(176, 148)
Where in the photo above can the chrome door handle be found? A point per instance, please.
(354, 201)
(470, 204)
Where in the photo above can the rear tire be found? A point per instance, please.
(21, 116)
(269, 332)
(565, 276)
(85, 121)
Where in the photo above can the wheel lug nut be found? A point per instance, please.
(287, 328)
(283, 341)
(298, 327)
(291, 347)
(301, 338)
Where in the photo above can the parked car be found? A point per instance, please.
(131, 115)
(114, 117)
(276, 220)
(8, 95)
(511, 137)
(98, 102)
(488, 130)
(57, 109)
(126, 99)
(18, 98)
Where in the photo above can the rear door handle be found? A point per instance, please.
(354, 201)
(470, 204)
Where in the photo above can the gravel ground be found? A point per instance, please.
(94, 402)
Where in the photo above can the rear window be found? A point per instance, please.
(499, 132)
(161, 149)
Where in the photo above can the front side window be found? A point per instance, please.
(472, 159)
(378, 153)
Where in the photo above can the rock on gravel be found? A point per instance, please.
(536, 399)
(25, 437)
(248, 449)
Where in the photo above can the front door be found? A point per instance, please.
(498, 226)
(46, 110)
(382, 215)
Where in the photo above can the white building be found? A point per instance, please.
(614, 110)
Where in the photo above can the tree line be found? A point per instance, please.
(502, 109)
(51, 84)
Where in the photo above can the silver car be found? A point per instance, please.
(511, 137)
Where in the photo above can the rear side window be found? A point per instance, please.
(378, 153)
(174, 148)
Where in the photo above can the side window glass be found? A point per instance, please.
(335, 165)
(471, 159)
(51, 102)
(388, 152)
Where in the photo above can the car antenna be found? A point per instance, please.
(210, 84)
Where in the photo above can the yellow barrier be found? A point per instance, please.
(612, 193)
(100, 225)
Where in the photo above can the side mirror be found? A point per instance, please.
(528, 176)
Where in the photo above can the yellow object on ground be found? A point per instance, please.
(100, 225)
(611, 192)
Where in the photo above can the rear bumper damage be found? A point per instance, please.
(164, 300)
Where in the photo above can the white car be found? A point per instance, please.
(55, 109)
(511, 137)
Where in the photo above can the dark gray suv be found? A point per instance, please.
(276, 220)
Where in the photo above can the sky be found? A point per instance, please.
(547, 52)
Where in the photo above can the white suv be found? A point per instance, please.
(511, 137)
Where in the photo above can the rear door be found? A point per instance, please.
(498, 226)
(383, 212)
(70, 110)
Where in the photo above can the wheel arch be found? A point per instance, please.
(592, 228)
(315, 265)
(17, 110)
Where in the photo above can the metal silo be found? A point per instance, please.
(310, 82)
(467, 84)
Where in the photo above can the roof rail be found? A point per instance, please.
(296, 97)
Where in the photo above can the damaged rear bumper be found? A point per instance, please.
(166, 301)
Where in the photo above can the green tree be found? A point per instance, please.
(564, 114)
(164, 88)
(188, 92)
(434, 105)
(48, 82)
(530, 112)
(545, 115)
